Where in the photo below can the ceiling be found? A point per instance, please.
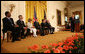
(75, 3)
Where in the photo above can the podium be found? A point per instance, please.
(77, 27)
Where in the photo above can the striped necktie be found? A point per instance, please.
(10, 20)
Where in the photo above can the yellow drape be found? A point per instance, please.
(39, 6)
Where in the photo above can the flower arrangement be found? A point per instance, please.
(74, 44)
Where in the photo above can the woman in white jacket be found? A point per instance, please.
(32, 28)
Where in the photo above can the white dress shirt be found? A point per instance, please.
(29, 25)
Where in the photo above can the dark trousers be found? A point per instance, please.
(43, 30)
(72, 27)
(27, 33)
(40, 29)
(51, 29)
(15, 33)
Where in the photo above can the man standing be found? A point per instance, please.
(72, 22)
(8, 25)
(22, 27)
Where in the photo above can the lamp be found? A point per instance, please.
(12, 6)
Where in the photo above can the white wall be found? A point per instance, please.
(52, 6)
(18, 10)
(78, 8)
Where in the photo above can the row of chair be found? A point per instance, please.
(9, 36)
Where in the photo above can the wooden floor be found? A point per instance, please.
(21, 46)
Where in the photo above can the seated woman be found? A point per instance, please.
(31, 27)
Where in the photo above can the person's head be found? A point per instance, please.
(43, 20)
(36, 19)
(20, 17)
(44, 17)
(7, 14)
(73, 15)
(29, 20)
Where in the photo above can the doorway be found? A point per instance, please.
(58, 17)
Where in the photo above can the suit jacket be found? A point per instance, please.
(20, 24)
(7, 24)
(72, 20)
(48, 25)
(43, 25)
(36, 24)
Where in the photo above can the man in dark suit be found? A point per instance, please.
(36, 24)
(72, 20)
(43, 27)
(22, 27)
(8, 25)
(51, 29)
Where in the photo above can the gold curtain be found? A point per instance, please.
(40, 6)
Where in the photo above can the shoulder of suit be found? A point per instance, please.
(4, 18)
(11, 18)
(18, 20)
(23, 21)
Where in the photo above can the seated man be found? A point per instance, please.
(22, 27)
(50, 27)
(43, 27)
(32, 28)
(8, 25)
(37, 26)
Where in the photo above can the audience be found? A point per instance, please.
(8, 25)
(32, 28)
(22, 27)
(51, 29)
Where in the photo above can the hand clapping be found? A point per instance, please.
(16, 26)
(25, 28)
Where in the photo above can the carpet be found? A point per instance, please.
(21, 46)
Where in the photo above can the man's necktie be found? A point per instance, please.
(10, 21)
